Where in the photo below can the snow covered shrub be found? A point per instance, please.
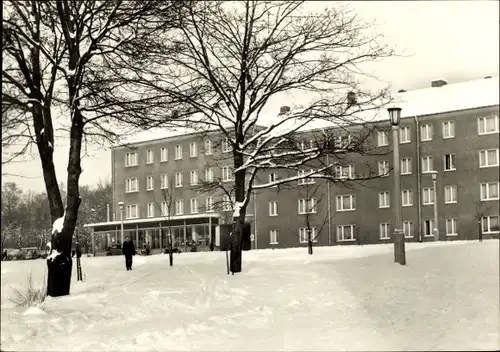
(30, 296)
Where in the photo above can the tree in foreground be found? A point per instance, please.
(54, 56)
(235, 59)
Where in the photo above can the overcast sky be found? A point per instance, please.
(453, 40)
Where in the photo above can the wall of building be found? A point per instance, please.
(367, 215)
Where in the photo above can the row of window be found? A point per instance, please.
(489, 191)
(485, 125)
(132, 184)
(487, 158)
(489, 225)
(132, 158)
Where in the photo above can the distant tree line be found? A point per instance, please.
(26, 218)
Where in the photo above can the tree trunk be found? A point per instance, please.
(170, 251)
(235, 262)
(310, 247)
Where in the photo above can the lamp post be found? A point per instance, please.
(121, 222)
(399, 242)
(436, 227)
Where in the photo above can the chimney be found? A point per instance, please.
(284, 109)
(438, 83)
(487, 77)
(402, 91)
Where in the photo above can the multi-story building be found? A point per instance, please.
(452, 129)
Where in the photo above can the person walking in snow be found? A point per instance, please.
(128, 251)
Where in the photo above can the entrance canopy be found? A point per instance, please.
(162, 221)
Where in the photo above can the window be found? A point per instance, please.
(150, 183)
(451, 227)
(344, 171)
(406, 166)
(383, 200)
(163, 155)
(490, 224)
(178, 152)
(150, 156)
(448, 129)
(428, 228)
(408, 229)
(209, 204)
(345, 233)
(178, 179)
(131, 159)
(406, 198)
(342, 141)
(179, 207)
(450, 194)
(488, 158)
(307, 206)
(131, 185)
(272, 178)
(164, 181)
(208, 147)
(227, 204)
(428, 196)
(273, 236)
(164, 209)
(305, 181)
(404, 135)
(382, 139)
(151, 210)
(427, 164)
(489, 191)
(194, 205)
(304, 234)
(383, 168)
(273, 208)
(487, 125)
(209, 175)
(346, 202)
(226, 146)
(193, 149)
(426, 132)
(227, 173)
(132, 211)
(193, 175)
(449, 162)
(385, 231)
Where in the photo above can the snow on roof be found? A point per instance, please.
(420, 102)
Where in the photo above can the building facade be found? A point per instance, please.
(161, 183)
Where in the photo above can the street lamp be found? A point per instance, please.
(121, 221)
(399, 239)
(434, 175)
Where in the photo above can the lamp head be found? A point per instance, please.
(434, 175)
(121, 205)
(394, 115)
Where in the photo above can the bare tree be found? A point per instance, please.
(167, 208)
(481, 210)
(234, 58)
(54, 54)
(310, 201)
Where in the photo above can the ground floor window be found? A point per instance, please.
(408, 229)
(428, 228)
(273, 237)
(304, 234)
(451, 227)
(490, 224)
(345, 233)
(385, 231)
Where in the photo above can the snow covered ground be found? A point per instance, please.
(341, 298)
